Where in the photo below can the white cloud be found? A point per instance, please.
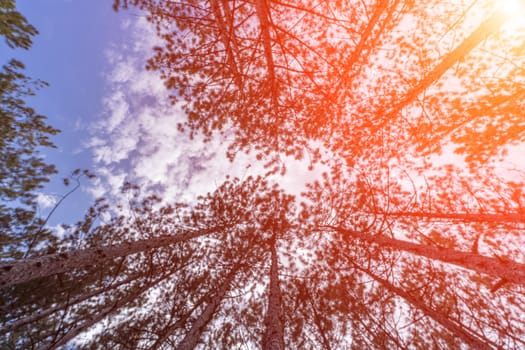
(46, 201)
(136, 139)
(118, 107)
(59, 231)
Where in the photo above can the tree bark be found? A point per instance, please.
(464, 217)
(382, 6)
(194, 334)
(168, 331)
(511, 271)
(100, 315)
(473, 341)
(273, 338)
(78, 299)
(486, 28)
(228, 39)
(20, 271)
(263, 14)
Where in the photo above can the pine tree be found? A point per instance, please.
(14, 27)
(23, 132)
(387, 250)
(354, 76)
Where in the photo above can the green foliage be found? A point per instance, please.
(23, 132)
(14, 27)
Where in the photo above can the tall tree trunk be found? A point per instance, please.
(463, 217)
(472, 340)
(20, 271)
(263, 14)
(273, 338)
(380, 9)
(487, 27)
(101, 314)
(510, 271)
(227, 37)
(168, 331)
(70, 302)
(194, 334)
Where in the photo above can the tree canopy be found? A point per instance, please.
(23, 133)
(394, 247)
(14, 27)
(350, 74)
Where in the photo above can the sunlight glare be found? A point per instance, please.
(513, 7)
(515, 10)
